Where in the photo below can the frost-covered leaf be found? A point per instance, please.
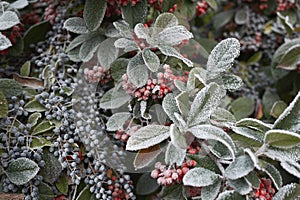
(19, 4)
(141, 31)
(291, 166)
(232, 82)
(285, 21)
(42, 127)
(254, 124)
(223, 18)
(33, 118)
(118, 68)
(282, 138)
(124, 29)
(222, 56)
(93, 13)
(253, 157)
(207, 132)
(177, 138)
(239, 168)
(37, 143)
(181, 86)
(251, 134)
(193, 78)
(278, 108)
(290, 118)
(147, 136)
(211, 192)
(253, 179)
(241, 16)
(114, 98)
(4, 42)
(165, 20)
(288, 192)
(117, 120)
(183, 104)
(53, 170)
(170, 51)
(290, 59)
(8, 19)
(276, 153)
(230, 195)
(272, 172)
(21, 170)
(89, 47)
(145, 156)
(200, 177)
(242, 107)
(219, 150)
(223, 117)
(204, 104)
(170, 107)
(34, 106)
(107, 53)
(240, 185)
(137, 71)
(126, 44)
(151, 60)
(76, 25)
(174, 155)
(3, 106)
(135, 14)
(173, 35)
(77, 41)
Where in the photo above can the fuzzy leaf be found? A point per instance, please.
(19, 4)
(290, 59)
(33, 118)
(107, 52)
(77, 41)
(278, 108)
(165, 20)
(118, 68)
(34, 106)
(204, 104)
(114, 98)
(253, 179)
(146, 156)
(123, 28)
(177, 138)
(3, 106)
(42, 127)
(182, 101)
(240, 185)
(254, 124)
(222, 116)
(242, 107)
(211, 192)
(174, 155)
(89, 47)
(117, 120)
(37, 143)
(222, 56)
(22, 170)
(53, 170)
(158, 115)
(141, 31)
(147, 136)
(8, 19)
(151, 60)
(253, 157)
(170, 51)
(276, 153)
(232, 82)
(76, 25)
(251, 134)
(173, 35)
(291, 166)
(126, 44)
(214, 133)
(93, 13)
(170, 107)
(282, 138)
(135, 14)
(222, 18)
(288, 192)
(10, 87)
(240, 167)
(137, 71)
(4, 42)
(241, 16)
(230, 195)
(200, 177)
(272, 172)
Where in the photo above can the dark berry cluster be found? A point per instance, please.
(265, 190)
(112, 9)
(169, 175)
(126, 2)
(283, 5)
(97, 75)
(194, 147)
(201, 8)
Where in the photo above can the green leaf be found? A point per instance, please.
(173, 192)
(37, 143)
(77, 41)
(174, 155)
(93, 13)
(241, 16)
(289, 119)
(240, 185)
(173, 36)
(222, 18)
(278, 108)
(147, 136)
(10, 87)
(204, 104)
(137, 71)
(232, 82)
(8, 19)
(170, 107)
(158, 115)
(36, 33)
(135, 14)
(248, 136)
(146, 185)
(282, 138)
(279, 154)
(165, 20)
(177, 138)
(239, 168)
(211, 192)
(117, 120)
(285, 21)
(141, 31)
(242, 107)
(25, 69)
(269, 98)
(17, 48)
(272, 172)
(213, 4)
(89, 47)
(145, 157)
(254, 124)
(3, 106)
(170, 51)
(53, 169)
(167, 5)
(114, 98)
(292, 167)
(34, 106)
(84, 194)
(107, 53)
(21, 171)
(4, 42)
(253, 179)
(42, 127)
(255, 58)
(126, 44)
(75, 25)
(208, 132)
(183, 104)
(45, 192)
(118, 68)
(230, 195)
(222, 56)
(151, 60)
(62, 185)
(200, 177)
(124, 29)
(288, 192)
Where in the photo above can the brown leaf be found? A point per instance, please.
(145, 156)
(5, 196)
(259, 110)
(28, 81)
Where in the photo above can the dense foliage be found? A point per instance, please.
(150, 99)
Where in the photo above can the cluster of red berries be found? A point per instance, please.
(157, 4)
(166, 175)
(126, 2)
(195, 191)
(265, 190)
(13, 34)
(123, 135)
(194, 147)
(263, 5)
(97, 75)
(31, 18)
(121, 188)
(283, 5)
(112, 9)
(201, 8)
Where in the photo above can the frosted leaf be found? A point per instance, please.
(180, 85)
(170, 51)
(207, 132)
(151, 60)
(146, 156)
(230, 195)
(182, 123)
(290, 118)
(253, 179)
(19, 4)
(232, 82)
(126, 44)
(147, 136)
(253, 157)
(177, 138)
(240, 167)
(76, 25)
(286, 153)
(292, 167)
(114, 98)
(143, 107)
(89, 47)
(223, 117)
(4, 42)
(173, 35)
(141, 31)
(165, 20)
(200, 177)
(117, 120)
(191, 83)
(204, 104)
(240, 185)
(157, 114)
(254, 124)
(93, 13)
(137, 71)
(124, 29)
(272, 172)
(107, 52)
(222, 56)
(288, 192)
(249, 133)
(182, 101)
(8, 19)
(282, 138)
(170, 107)
(211, 192)
(174, 155)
